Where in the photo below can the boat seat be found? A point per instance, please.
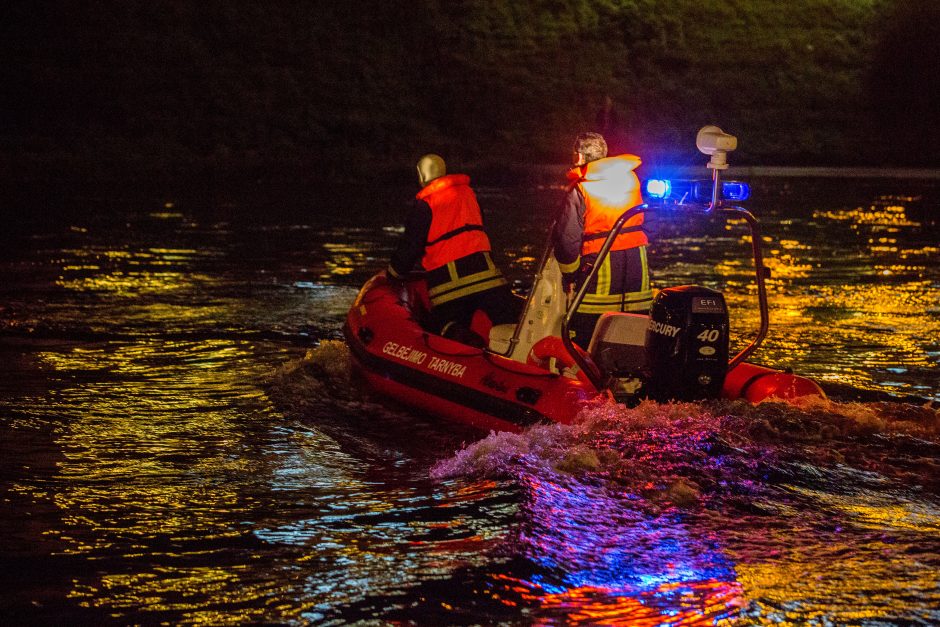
(500, 335)
(619, 342)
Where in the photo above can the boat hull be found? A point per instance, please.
(397, 358)
(755, 383)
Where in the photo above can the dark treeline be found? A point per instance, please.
(322, 89)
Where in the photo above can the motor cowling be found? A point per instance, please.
(687, 344)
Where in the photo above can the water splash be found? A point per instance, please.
(319, 379)
(695, 513)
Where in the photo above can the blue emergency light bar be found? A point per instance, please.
(658, 188)
(695, 191)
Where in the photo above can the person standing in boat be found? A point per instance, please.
(600, 189)
(444, 232)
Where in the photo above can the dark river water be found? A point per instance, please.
(180, 441)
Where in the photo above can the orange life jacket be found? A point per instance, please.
(609, 187)
(456, 222)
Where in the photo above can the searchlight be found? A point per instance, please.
(714, 142)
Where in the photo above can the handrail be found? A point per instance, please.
(591, 369)
(761, 272)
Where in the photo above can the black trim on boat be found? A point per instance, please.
(754, 379)
(455, 393)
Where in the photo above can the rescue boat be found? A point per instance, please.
(531, 371)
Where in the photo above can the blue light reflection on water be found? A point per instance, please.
(588, 540)
(694, 508)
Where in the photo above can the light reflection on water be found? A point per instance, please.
(145, 475)
(171, 452)
(685, 514)
(620, 564)
(854, 293)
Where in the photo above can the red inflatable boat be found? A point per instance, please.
(399, 359)
(531, 372)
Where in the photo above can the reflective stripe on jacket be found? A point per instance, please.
(456, 221)
(463, 277)
(620, 271)
(609, 187)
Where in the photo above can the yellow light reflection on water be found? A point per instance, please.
(149, 438)
(878, 512)
(345, 258)
(134, 283)
(832, 585)
(886, 326)
(181, 590)
(882, 309)
(882, 213)
(155, 479)
(788, 267)
(117, 271)
(132, 430)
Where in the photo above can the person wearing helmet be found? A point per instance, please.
(600, 189)
(444, 233)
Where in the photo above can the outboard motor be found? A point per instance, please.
(687, 344)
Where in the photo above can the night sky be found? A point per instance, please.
(321, 90)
